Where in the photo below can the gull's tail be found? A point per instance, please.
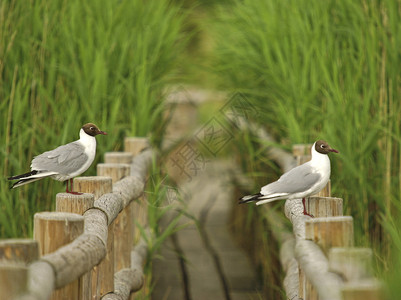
(28, 177)
(262, 199)
(250, 198)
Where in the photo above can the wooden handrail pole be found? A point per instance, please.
(103, 273)
(53, 230)
(123, 233)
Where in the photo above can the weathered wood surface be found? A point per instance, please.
(118, 157)
(53, 230)
(77, 204)
(69, 262)
(130, 279)
(352, 264)
(19, 250)
(202, 260)
(330, 232)
(96, 185)
(13, 280)
(123, 234)
(370, 289)
(136, 145)
(116, 171)
(102, 274)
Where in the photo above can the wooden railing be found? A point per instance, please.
(85, 249)
(318, 256)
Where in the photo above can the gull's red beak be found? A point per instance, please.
(102, 132)
(333, 150)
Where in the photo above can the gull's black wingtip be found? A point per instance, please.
(34, 172)
(249, 198)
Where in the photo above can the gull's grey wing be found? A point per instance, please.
(63, 160)
(296, 180)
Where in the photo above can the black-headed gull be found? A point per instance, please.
(299, 182)
(64, 162)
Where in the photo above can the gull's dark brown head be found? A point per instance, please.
(92, 129)
(324, 148)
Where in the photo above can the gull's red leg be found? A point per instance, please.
(305, 212)
(72, 188)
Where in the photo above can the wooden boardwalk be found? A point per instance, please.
(202, 261)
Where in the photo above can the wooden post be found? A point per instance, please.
(19, 250)
(15, 255)
(363, 290)
(118, 158)
(123, 233)
(327, 233)
(53, 230)
(79, 204)
(115, 171)
(96, 185)
(319, 207)
(13, 280)
(353, 264)
(324, 206)
(330, 232)
(135, 145)
(103, 273)
(326, 191)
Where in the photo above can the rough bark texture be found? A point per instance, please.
(111, 204)
(130, 279)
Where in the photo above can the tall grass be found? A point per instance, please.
(65, 63)
(328, 69)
